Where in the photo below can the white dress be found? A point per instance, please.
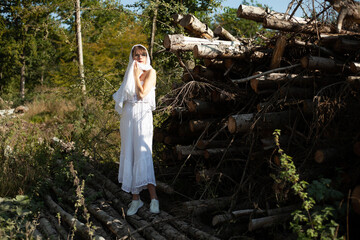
(136, 168)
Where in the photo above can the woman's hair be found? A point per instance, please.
(138, 48)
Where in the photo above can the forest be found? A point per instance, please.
(256, 130)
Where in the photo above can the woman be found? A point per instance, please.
(135, 101)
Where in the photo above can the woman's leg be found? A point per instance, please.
(152, 191)
(135, 197)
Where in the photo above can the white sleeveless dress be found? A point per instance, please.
(136, 168)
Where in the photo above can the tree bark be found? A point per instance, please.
(198, 207)
(22, 78)
(79, 46)
(221, 218)
(278, 52)
(258, 14)
(196, 27)
(223, 33)
(184, 151)
(153, 30)
(243, 122)
(355, 67)
(179, 42)
(267, 221)
(355, 199)
(325, 155)
(70, 220)
(286, 26)
(220, 51)
(320, 63)
(219, 152)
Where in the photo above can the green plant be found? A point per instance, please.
(308, 222)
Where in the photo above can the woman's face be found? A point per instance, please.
(139, 55)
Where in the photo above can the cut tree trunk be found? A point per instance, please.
(80, 227)
(325, 155)
(258, 14)
(184, 151)
(196, 27)
(355, 199)
(219, 219)
(286, 26)
(220, 51)
(200, 125)
(177, 17)
(198, 207)
(347, 45)
(223, 33)
(278, 52)
(320, 63)
(48, 229)
(267, 221)
(202, 107)
(355, 67)
(243, 122)
(219, 152)
(180, 42)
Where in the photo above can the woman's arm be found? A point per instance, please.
(149, 81)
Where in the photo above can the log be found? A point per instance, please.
(242, 122)
(184, 151)
(204, 72)
(200, 125)
(198, 207)
(320, 63)
(216, 64)
(220, 51)
(296, 92)
(278, 52)
(356, 148)
(286, 26)
(355, 67)
(163, 187)
(269, 142)
(267, 221)
(119, 227)
(258, 14)
(221, 218)
(48, 229)
(223, 33)
(325, 155)
(203, 144)
(355, 199)
(222, 96)
(125, 197)
(202, 107)
(177, 17)
(59, 228)
(354, 81)
(346, 45)
(80, 227)
(179, 42)
(219, 152)
(196, 27)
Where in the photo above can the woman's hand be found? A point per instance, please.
(137, 70)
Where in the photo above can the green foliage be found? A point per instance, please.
(238, 26)
(308, 223)
(17, 218)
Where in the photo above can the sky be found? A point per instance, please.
(276, 5)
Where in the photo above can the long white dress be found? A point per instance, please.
(136, 168)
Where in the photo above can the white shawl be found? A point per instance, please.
(127, 88)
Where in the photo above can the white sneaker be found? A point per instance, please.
(154, 206)
(134, 207)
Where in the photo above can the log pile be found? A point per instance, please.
(303, 80)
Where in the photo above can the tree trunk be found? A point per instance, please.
(79, 46)
(180, 42)
(320, 63)
(243, 122)
(153, 30)
(219, 51)
(286, 26)
(355, 67)
(267, 221)
(325, 155)
(258, 14)
(81, 228)
(196, 27)
(199, 106)
(223, 33)
(278, 52)
(218, 219)
(219, 152)
(22, 78)
(184, 151)
(198, 207)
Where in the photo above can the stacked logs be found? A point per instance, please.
(229, 105)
